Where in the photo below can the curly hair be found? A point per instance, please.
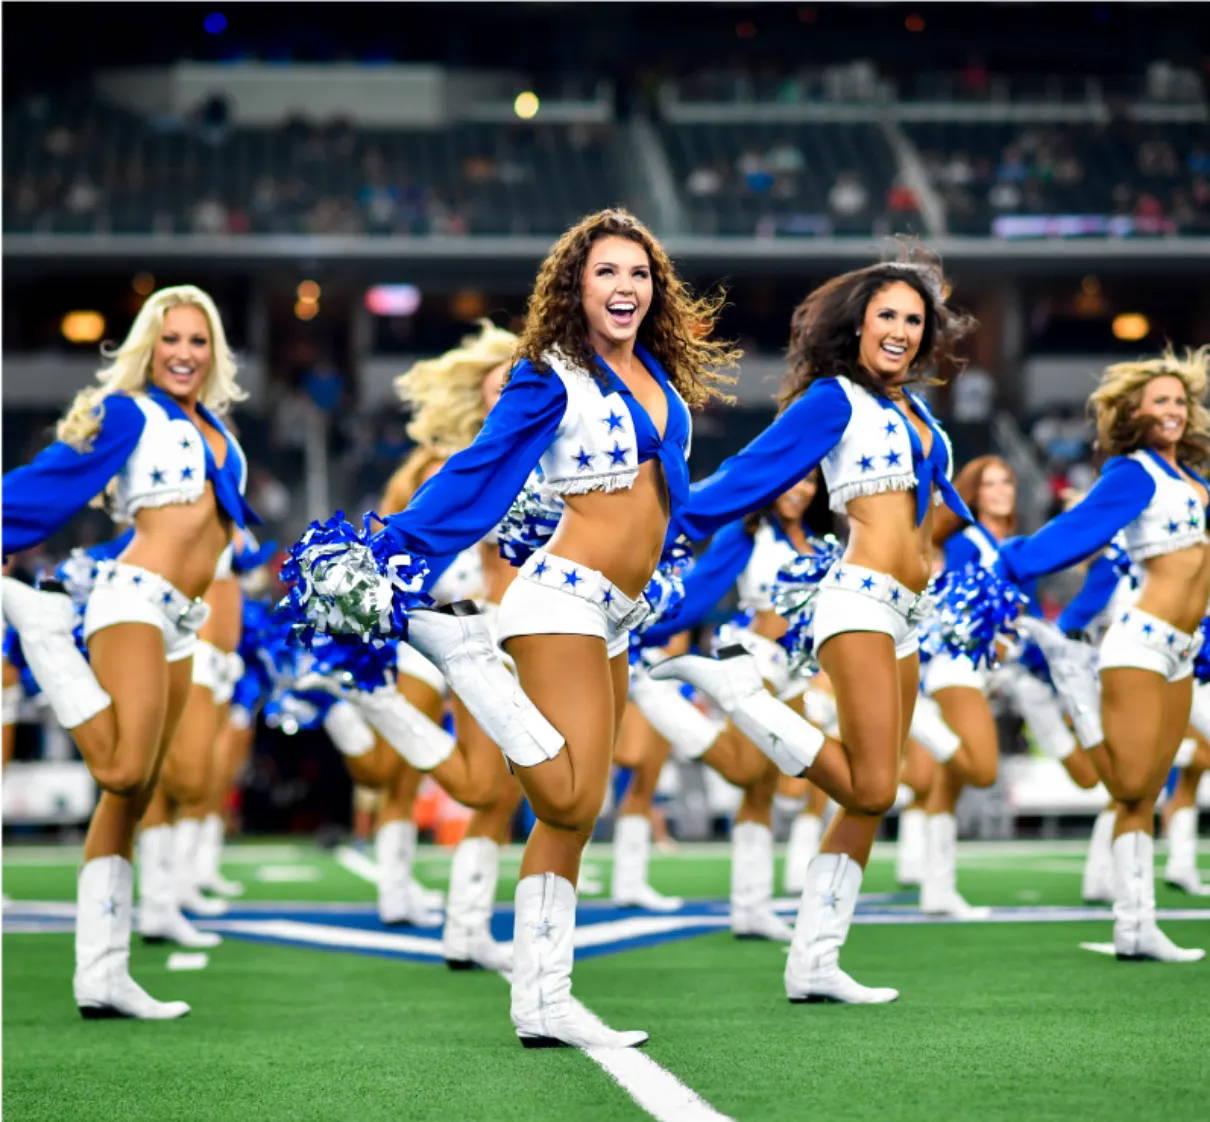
(130, 364)
(677, 328)
(1114, 402)
(446, 393)
(967, 483)
(824, 327)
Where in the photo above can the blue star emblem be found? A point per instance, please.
(892, 459)
(157, 476)
(1194, 523)
(1125, 617)
(186, 443)
(1148, 628)
(92, 573)
(613, 421)
(1173, 526)
(186, 473)
(867, 583)
(1171, 638)
(617, 454)
(891, 428)
(584, 459)
(541, 567)
(1191, 503)
(607, 598)
(112, 575)
(895, 594)
(572, 577)
(167, 598)
(866, 463)
(839, 575)
(137, 578)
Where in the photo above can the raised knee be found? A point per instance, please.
(874, 798)
(1132, 788)
(123, 778)
(983, 775)
(568, 814)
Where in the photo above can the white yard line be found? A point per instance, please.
(357, 863)
(654, 1088)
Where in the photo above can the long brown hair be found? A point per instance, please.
(1113, 404)
(824, 328)
(676, 330)
(967, 483)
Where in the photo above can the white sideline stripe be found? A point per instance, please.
(1099, 948)
(328, 935)
(357, 863)
(636, 927)
(654, 1088)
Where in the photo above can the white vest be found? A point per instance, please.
(874, 453)
(168, 465)
(595, 447)
(1173, 520)
(769, 554)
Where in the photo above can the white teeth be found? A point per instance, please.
(621, 309)
(180, 370)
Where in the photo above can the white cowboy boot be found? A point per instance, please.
(160, 917)
(543, 1011)
(1180, 871)
(801, 849)
(466, 940)
(210, 847)
(673, 716)
(1039, 707)
(752, 914)
(1135, 934)
(1073, 671)
(395, 850)
(939, 893)
(348, 730)
(813, 971)
(929, 729)
(186, 835)
(102, 983)
(631, 854)
(458, 640)
(418, 740)
(732, 681)
(910, 849)
(45, 620)
(1096, 886)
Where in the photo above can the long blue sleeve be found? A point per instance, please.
(706, 583)
(475, 487)
(1119, 496)
(773, 462)
(41, 496)
(1099, 583)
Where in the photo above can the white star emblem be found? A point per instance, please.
(543, 930)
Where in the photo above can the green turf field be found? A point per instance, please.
(1005, 1020)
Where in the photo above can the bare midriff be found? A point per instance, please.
(181, 542)
(618, 533)
(883, 536)
(1177, 586)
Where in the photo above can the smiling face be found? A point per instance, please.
(891, 331)
(790, 505)
(997, 494)
(1165, 399)
(615, 292)
(182, 356)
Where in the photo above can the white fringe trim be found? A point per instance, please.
(843, 493)
(135, 503)
(581, 485)
(1158, 549)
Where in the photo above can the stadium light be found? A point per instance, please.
(83, 327)
(306, 309)
(308, 292)
(526, 105)
(392, 299)
(143, 283)
(914, 22)
(215, 23)
(1130, 327)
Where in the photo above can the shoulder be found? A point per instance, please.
(831, 394)
(527, 378)
(122, 410)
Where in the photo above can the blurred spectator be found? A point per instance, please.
(208, 216)
(704, 182)
(848, 197)
(754, 172)
(82, 197)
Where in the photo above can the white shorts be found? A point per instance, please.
(853, 598)
(409, 661)
(130, 594)
(946, 671)
(1141, 640)
(554, 596)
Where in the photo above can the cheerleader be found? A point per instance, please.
(604, 414)
(855, 344)
(151, 429)
(970, 753)
(1152, 423)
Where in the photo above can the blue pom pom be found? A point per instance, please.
(975, 605)
(344, 582)
(665, 592)
(528, 525)
(1201, 663)
(794, 596)
(356, 665)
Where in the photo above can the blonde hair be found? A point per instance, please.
(446, 393)
(408, 477)
(130, 364)
(1115, 400)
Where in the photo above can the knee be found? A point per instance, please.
(125, 777)
(1132, 787)
(873, 796)
(573, 814)
(983, 774)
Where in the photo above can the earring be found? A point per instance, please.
(858, 333)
